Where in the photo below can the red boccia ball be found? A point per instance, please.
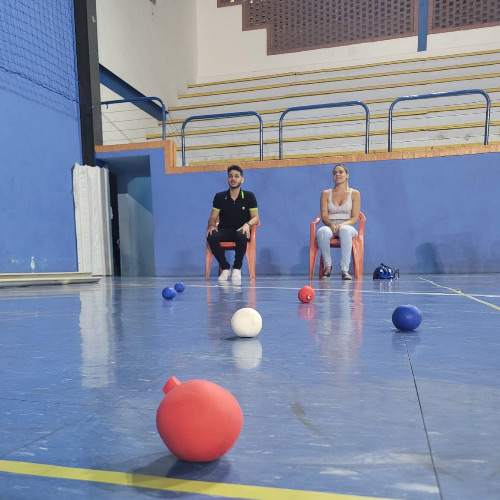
(198, 420)
(306, 294)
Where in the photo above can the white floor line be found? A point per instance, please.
(395, 292)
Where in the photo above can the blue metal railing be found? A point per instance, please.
(223, 115)
(330, 105)
(163, 110)
(443, 94)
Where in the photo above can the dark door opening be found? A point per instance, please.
(115, 227)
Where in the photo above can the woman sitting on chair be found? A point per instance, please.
(340, 208)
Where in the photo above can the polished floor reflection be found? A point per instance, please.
(335, 399)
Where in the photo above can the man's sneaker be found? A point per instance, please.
(236, 276)
(346, 275)
(224, 275)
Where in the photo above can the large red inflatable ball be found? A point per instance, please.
(198, 420)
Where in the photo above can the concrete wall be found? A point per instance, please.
(40, 137)
(428, 215)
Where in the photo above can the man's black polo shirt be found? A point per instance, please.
(233, 214)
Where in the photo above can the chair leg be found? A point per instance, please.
(313, 255)
(357, 258)
(250, 254)
(208, 262)
(359, 271)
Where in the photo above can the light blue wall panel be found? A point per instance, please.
(136, 226)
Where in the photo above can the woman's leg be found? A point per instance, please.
(324, 235)
(346, 234)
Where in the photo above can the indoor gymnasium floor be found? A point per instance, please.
(335, 399)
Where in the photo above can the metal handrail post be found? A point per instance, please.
(442, 94)
(151, 98)
(329, 105)
(223, 115)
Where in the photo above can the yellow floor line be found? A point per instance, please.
(168, 484)
(459, 292)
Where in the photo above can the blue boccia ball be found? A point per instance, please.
(406, 318)
(168, 293)
(180, 287)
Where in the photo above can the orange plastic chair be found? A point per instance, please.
(231, 245)
(358, 248)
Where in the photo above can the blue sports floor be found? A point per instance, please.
(335, 400)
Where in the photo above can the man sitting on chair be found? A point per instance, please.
(237, 213)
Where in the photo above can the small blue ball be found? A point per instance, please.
(168, 293)
(406, 318)
(179, 287)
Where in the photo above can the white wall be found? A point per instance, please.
(151, 47)
(161, 48)
(465, 40)
(225, 51)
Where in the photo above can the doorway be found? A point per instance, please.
(132, 225)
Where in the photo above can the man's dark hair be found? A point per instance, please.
(235, 167)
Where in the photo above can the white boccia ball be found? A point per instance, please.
(246, 322)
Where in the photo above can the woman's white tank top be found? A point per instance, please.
(339, 213)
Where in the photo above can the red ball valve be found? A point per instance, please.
(198, 420)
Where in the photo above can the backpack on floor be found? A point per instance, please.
(384, 272)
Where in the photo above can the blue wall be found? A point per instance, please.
(39, 136)
(428, 215)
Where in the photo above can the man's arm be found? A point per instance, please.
(254, 219)
(212, 221)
